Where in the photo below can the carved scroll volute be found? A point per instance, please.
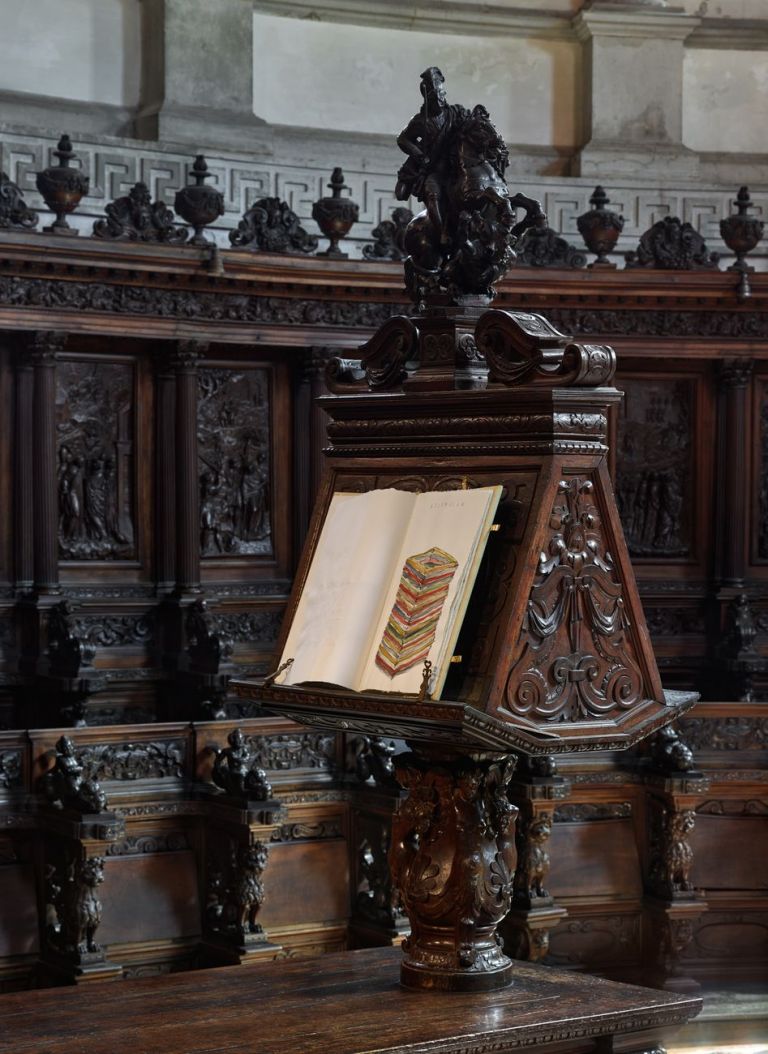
(453, 861)
(524, 348)
(384, 356)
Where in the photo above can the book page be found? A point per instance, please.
(435, 568)
(353, 563)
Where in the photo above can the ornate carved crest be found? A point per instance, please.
(543, 247)
(575, 659)
(272, 226)
(14, 211)
(137, 218)
(673, 245)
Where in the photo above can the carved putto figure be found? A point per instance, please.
(136, 217)
(462, 242)
(236, 772)
(65, 783)
(670, 754)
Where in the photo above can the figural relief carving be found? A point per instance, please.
(233, 434)
(94, 431)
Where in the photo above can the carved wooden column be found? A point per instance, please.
(77, 830)
(309, 434)
(378, 917)
(188, 353)
(46, 347)
(165, 490)
(672, 904)
(24, 480)
(243, 815)
(734, 379)
(535, 789)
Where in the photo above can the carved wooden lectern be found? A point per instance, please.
(553, 654)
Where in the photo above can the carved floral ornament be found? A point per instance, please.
(575, 658)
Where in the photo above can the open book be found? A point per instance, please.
(388, 587)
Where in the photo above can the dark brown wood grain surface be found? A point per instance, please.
(349, 1003)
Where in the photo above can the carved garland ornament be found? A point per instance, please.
(575, 660)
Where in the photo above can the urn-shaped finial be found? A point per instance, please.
(62, 187)
(600, 229)
(741, 232)
(199, 204)
(335, 215)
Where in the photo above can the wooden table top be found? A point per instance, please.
(347, 1003)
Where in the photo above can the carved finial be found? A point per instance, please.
(425, 679)
(199, 204)
(62, 187)
(600, 229)
(335, 215)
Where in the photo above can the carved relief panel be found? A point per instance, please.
(233, 434)
(654, 461)
(95, 460)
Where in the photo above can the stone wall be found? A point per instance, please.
(664, 105)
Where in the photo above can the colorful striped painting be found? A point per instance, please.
(411, 627)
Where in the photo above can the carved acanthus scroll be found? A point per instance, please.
(575, 658)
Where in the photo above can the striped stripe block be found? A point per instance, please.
(411, 627)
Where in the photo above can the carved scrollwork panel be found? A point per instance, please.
(133, 761)
(233, 435)
(654, 472)
(96, 457)
(576, 657)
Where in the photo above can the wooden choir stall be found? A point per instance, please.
(186, 779)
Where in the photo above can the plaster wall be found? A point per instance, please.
(72, 49)
(724, 100)
(365, 79)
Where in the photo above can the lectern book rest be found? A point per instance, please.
(551, 651)
(387, 589)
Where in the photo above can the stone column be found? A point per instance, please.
(197, 73)
(633, 85)
(44, 352)
(187, 474)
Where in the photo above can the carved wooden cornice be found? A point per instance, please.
(162, 291)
